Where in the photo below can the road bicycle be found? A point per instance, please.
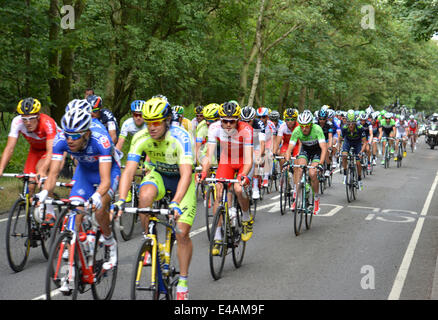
(25, 228)
(275, 175)
(352, 182)
(230, 229)
(400, 153)
(209, 199)
(286, 187)
(364, 164)
(79, 257)
(155, 274)
(305, 200)
(387, 153)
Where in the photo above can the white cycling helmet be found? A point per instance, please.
(76, 120)
(248, 113)
(411, 117)
(78, 103)
(305, 117)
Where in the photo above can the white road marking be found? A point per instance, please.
(407, 259)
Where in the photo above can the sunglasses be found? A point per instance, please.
(229, 121)
(74, 136)
(28, 119)
(290, 119)
(306, 125)
(154, 123)
(136, 114)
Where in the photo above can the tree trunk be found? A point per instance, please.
(302, 99)
(60, 86)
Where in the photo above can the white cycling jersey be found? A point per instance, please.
(401, 129)
(130, 128)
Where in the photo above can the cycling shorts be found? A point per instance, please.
(310, 155)
(357, 146)
(85, 180)
(32, 159)
(168, 184)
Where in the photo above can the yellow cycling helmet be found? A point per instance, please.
(28, 106)
(290, 113)
(155, 109)
(229, 109)
(211, 111)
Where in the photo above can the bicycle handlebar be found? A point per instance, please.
(222, 180)
(163, 212)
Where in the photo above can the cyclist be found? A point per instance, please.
(284, 133)
(327, 129)
(210, 115)
(336, 123)
(105, 116)
(39, 130)
(197, 119)
(388, 130)
(97, 164)
(368, 129)
(313, 150)
(235, 139)
(132, 125)
(402, 133)
(353, 136)
(274, 116)
(179, 120)
(375, 125)
(169, 161)
(413, 126)
(247, 115)
(266, 156)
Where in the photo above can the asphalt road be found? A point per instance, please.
(382, 246)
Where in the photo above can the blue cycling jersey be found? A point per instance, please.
(99, 149)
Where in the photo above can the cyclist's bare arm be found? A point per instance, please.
(42, 171)
(289, 150)
(120, 143)
(7, 153)
(113, 135)
(126, 178)
(211, 147)
(55, 169)
(105, 178)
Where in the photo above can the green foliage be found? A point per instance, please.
(195, 52)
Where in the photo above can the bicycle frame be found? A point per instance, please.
(152, 236)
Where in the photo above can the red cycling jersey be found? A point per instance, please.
(46, 130)
(231, 147)
(286, 133)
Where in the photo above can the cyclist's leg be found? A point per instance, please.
(185, 245)
(151, 189)
(102, 215)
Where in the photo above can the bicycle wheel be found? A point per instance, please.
(18, 240)
(298, 212)
(208, 208)
(400, 156)
(142, 285)
(238, 246)
(105, 280)
(217, 261)
(310, 204)
(60, 273)
(171, 280)
(127, 221)
(354, 183)
(321, 180)
(348, 186)
(284, 191)
(61, 222)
